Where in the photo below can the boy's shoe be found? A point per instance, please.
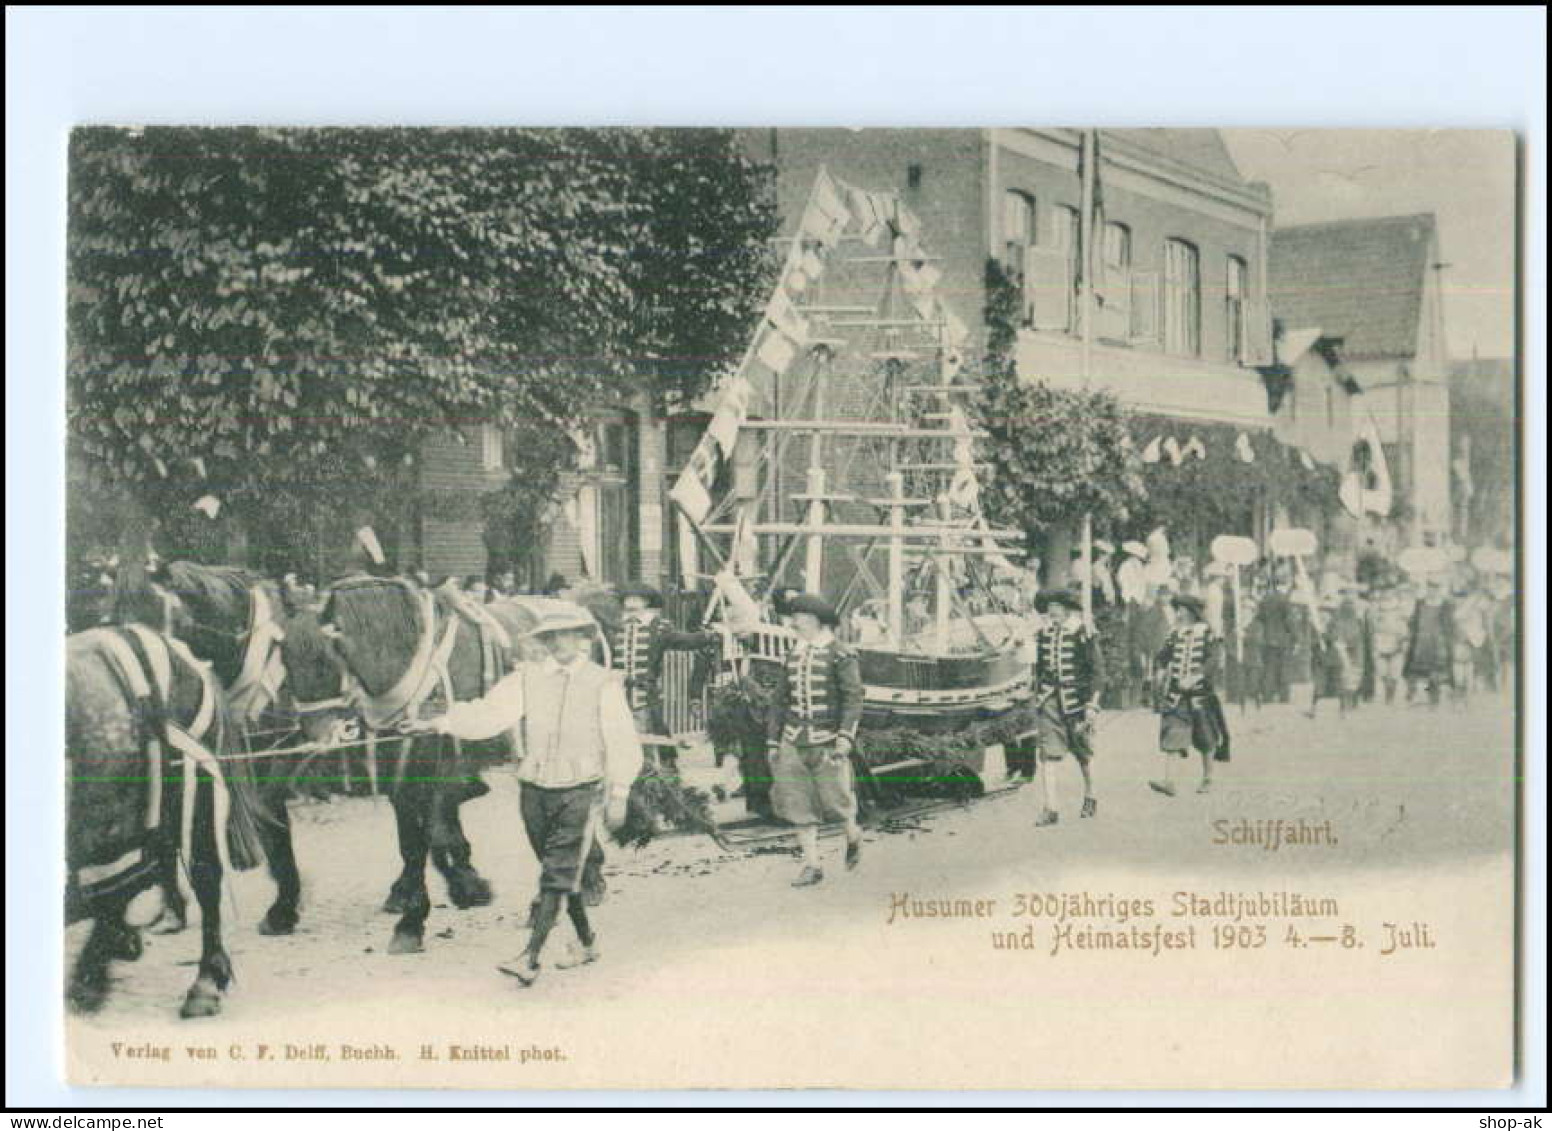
(808, 877)
(579, 955)
(1090, 807)
(1164, 787)
(523, 968)
(853, 853)
(1047, 817)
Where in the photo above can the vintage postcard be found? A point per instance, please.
(1016, 608)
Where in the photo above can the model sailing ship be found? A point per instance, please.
(840, 462)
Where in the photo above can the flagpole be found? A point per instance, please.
(1088, 153)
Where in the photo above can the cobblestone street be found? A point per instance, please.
(1406, 789)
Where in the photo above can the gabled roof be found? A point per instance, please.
(1358, 280)
(1201, 150)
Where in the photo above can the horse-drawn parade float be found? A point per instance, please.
(839, 463)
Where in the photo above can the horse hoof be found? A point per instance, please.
(405, 943)
(200, 1003)
(169, 924)
(277, 923)
(86, 999)
(476, 892)
(128, 947)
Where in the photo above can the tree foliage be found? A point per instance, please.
(282, 317)
(1056, 454)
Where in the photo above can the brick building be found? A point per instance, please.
(607, 523)
(1182, 318)
(1183, 323)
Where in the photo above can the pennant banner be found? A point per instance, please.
(781, 314)
(692, 491)
(730, 415)
(776, 351)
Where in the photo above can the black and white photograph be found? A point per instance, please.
(775, 606)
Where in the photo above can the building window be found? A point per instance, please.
(1182, 299)
(490, 447)
(1118, 246)
(1018, 227)
(1018, 236)
(1068, 237)
(1067, 230)
(1235, 309)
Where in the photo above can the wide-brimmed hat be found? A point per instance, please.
(1189, 601)
(1103, 547)
(814, 606)
(1136, 549)
(645, 592)
(564, 618)
(1064, 597)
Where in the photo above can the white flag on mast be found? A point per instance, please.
(1366, 486)
(730, 415)
(692, 491)
(963, 490)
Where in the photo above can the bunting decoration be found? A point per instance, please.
(963, 490)
(208, 505)
(784, 333)
(1243, 450)
(1150, 454)
(730, 415)
(742, 610)
(1175, 452)
(826, 216)
(777, 352)
(1195, 447)
(692, 490)
(872, 213)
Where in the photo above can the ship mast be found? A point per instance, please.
(863, 456)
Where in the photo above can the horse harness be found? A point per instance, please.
(142, 662)
(427, 672)
(263, 667)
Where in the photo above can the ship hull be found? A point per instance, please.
(925, 691)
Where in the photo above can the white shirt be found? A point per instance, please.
(503, 707)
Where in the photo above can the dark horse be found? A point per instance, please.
(340, 661)
(147, 786)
